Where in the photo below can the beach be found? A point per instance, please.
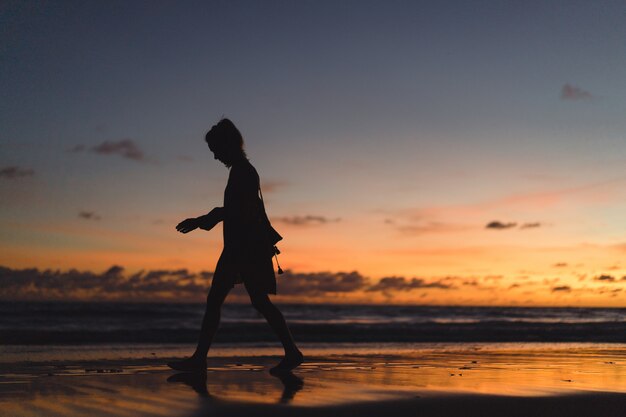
(109, 359)
(425, 379)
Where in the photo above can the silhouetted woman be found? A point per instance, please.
(247, 254)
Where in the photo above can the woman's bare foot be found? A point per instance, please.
(192, 364)
(289, 362)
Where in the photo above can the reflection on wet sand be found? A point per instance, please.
(194, 380)
(197, 381)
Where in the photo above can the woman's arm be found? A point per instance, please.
(206, 222)
(210, 220)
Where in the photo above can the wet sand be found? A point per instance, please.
(424, 380)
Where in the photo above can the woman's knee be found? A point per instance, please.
(261, 303)
(217, 295)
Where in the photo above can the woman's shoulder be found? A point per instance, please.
(244, 171)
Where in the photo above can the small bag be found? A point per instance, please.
(273, 237)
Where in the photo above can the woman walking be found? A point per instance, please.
(248, 249)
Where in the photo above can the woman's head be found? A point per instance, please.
(226, 142)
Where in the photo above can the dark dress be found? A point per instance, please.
(247, 253)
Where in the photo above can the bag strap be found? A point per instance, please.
(276, 251)
(261, 194)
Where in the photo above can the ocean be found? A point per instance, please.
(107, 323)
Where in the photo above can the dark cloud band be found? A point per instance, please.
(14, 172)
(165, 284)
(306, 220)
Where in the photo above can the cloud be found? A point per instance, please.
(160, 284)
(112, 284)
(605, 278)
(621, 247)
(536, 202)
(573, 93)
(530, 225)
(116, 283)
(180, 284)
(14, 172)
(319, 283)
(430, 227)
(306, 220)
(500, 225)
(403, 284)
(271, 186)
(607, 290)
(88, 215)
(560, 265)
(493, 278)
(126, 148)
(77, 148)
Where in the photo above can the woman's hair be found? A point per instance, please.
(225, 136)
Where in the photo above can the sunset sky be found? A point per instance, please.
(413, 152)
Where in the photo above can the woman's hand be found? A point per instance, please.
(188, 225)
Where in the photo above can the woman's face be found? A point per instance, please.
(220, 155)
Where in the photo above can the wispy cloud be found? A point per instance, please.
(562, 288)
(533, 225)
(535, 203)
(125, 148)
(88, 215)
(14, 172)
(77, 148)
(306, 220)
(605, 278)
(429, 227)
(403, 284)
(498, 225)
(573, 93)
(319, 283)
(272, 186)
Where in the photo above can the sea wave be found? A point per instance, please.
(97, 323)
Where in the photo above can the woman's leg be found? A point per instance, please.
(217, 294)
(261, 302)
(211, 320)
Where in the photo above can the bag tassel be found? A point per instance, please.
(276, 253)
